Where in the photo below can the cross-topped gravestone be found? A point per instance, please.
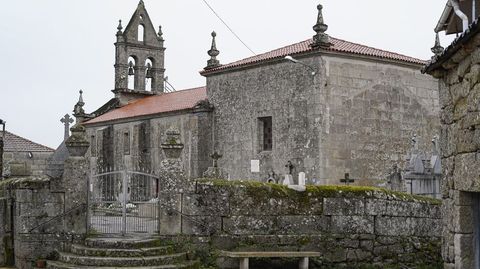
(347, 180)
(66, 120)
(215, 156)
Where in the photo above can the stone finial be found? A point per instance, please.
(213, 53)
(78, 108)
(320, 39)
(77, 143)
(172, 147)
(437, 49)
(120, 27)
(160, 33)
(141, 3)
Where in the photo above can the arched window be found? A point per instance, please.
(141, 32)
(148, 74)
(131, 73)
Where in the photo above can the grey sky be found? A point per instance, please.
(53, 48)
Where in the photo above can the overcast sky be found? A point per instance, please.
(52, 48)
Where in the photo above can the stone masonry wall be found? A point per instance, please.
(145, 139)
(35, 166)
(349, 226)
(354, 116)
(460, 147)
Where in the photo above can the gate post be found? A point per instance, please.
(124, 201)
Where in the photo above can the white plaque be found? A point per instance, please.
(255, 166)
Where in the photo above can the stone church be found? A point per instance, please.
(323, 106)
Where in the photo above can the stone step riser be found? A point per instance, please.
(99, 252)
(189, 265)
(123, 244)
(122, 262)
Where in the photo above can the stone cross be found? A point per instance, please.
(215, 156)
(66, 120)
(347, 180)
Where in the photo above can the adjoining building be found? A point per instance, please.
(323, 106)
(458, 70)
(23, 157)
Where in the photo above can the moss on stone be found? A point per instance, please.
(257, 189)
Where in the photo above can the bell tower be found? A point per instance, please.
(139, 57)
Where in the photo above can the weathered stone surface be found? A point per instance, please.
(205, 205)
(343, 206)
(467, 172)
(353, 224)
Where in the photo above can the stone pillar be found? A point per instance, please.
(173, 183)
(75, 182)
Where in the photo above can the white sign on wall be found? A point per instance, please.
(255, 166)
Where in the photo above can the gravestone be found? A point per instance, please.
(301, 179)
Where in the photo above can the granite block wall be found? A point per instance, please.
(356, 116)
(349, 226)
(460, 147)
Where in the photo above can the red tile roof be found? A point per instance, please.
(168, 102)
(15, 143)
(339, 45)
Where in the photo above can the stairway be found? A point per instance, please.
(110, 253)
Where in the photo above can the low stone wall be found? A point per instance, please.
(43, 222)
(349, 226)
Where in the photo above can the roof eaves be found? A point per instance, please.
(458, 43)
(140, 117)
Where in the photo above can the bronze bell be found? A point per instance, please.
(149, 71)
(130, 69)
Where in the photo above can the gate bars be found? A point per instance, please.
(123, 202)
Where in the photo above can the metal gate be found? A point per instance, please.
(122, 202)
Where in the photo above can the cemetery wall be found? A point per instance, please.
(349, 226)
(356, 115)
(40, 215)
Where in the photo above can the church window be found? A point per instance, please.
(93, 146)
(265, 133)
(141, 32)
(126, 143)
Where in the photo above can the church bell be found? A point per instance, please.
(149, 71)
(130, 69)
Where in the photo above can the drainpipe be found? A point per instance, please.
(460, 14)
(474, 10)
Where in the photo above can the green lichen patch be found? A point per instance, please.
(22, 181)
(262, 190)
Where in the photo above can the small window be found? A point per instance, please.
(265, 128)
(141, 32)
(126, 143)
(93, 146)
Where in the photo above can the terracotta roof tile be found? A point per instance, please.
(15, 143)
(339, 45)
(168, 102)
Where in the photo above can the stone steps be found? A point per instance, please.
(123, 243)
(122, 261)
(183, 265)
(114, 252)
(123, 252)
